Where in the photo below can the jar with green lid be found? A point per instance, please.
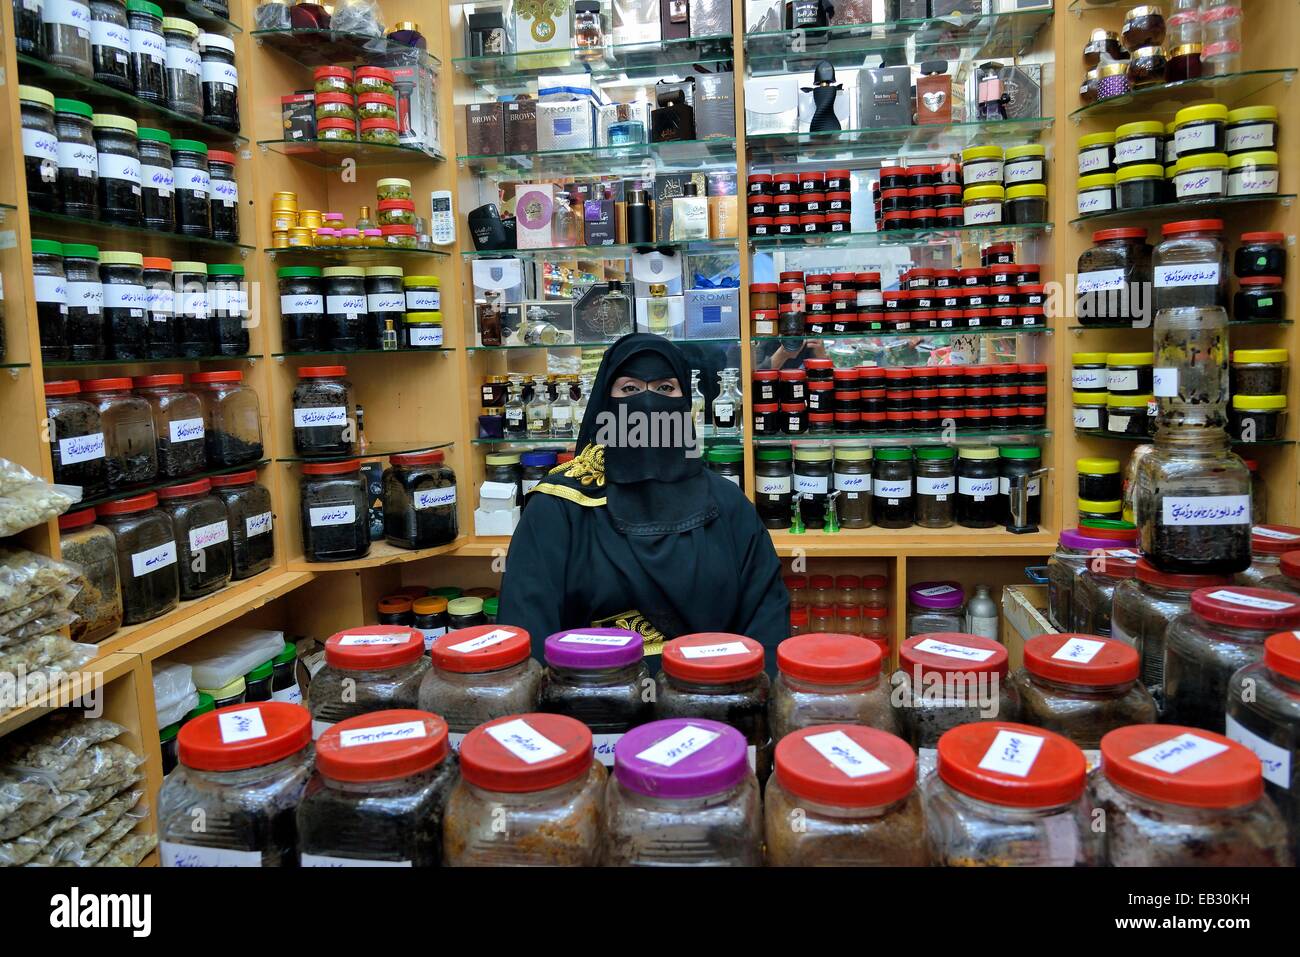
(379, 131)
(302, 306)
(393, 188)
(504, 468)
(376, 105)
(335, 106)
(1140, 185)
(812, 483)
(167, 741)
(1201, 176)
(773, 481)
(1026, 204)
(853, 468)
(1200, 129)
(1251, 128)
(1097, 153)
(1016, 462)
(936, 486)
(1142, 142)
(1090, 410)
(148, 50)
(465, 613)
(78, 161)
(727, 461)
(423, 330)
(1253, 174)
(257, 683)
(981, 165)
(982, 205)
(228, 309)
(891, 488)
(1095, 193)
(206, 703)
(1025, 165)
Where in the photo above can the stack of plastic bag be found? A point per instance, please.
(174, 693)
(26, 500)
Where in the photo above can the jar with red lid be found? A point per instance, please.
(766, 321)
(1268, 543)
(899, 219)
(146, 556)
(760, 184)
(839, 180)
(202, 528)
(242, 770)
(872, 400)
(786, 183)
(817, 283)
(177, 422)
(848, 399)
(794, 384)
(248, 504)
(998, 253)
(924, 218)
(368, 668)
(949, 217)
(1177, 796)
(479, 673)
(1008, 795)
(1028, 274)
(786, 204)
(761, 206)
(979, 297)
(767, 418)
(324, 417)
(849, 422)
(762, 295)
(825, 678)
(812, 182)
(820, 397)
(762, 226)
(895, 200)
(126, 421)
(845, 378)
(812, 223)
(334, 511)
(787, 226)
(975, 318)
(794, 418)
(812, 203)
(921, 197)
(893, 177)
(419, 500)
(555, 805)
(946, 679)
(839, 201)
(788, 294)
(765, 385)
(852, 791)
(77, 444)
(232, 418)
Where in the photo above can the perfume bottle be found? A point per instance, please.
(538, 330)
(697, 404)
(726, 407)
(992, 98)
(490, 316)
(516, 413)
(673, 119)
(934, 93)
(658, 319)
(613, 317)
(824, 91)
(562, 412)
(362, 443)
(364, 221)
(388, 338)
(588, 31)
(580, 403)
(564, 224)
(626, 133)
(640, 224)
(538, 412)
(690, 215)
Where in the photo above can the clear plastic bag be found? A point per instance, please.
(174, 712)
(173, 686)
(26, 802)
(72, 843)
(26, 500)
(56, 742)
(26, 576)
(360, 17)
(30, 843)
(58, 600)
(102, 765)
(96, 850)
(54, 621)
(129, 851)
(86, 801)
(34, 653)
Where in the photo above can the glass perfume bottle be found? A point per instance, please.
(580, 403)
(588, 31)
(539, 410)
(626, 133)
(516, 413)
(690, 215)
(562, 411)
(564, 224)
(388, 339)
(364, 220)
(697, 403)
(726, 407)
(489, 317)
(363, 443)
(540, 331)
(658, 319)
(614, 314)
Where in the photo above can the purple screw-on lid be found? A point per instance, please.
(681, 758)
(583, 648)
(1076, 539)
(936, 595)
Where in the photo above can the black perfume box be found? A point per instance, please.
(298, 112)
(715, 106)
(521, 126)
(675, 19)
(485, 129)
(485, 34)
(885, 97)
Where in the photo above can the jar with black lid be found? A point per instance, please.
(40, 143)
(119, 169)
(977, 487)
(84, 329)
(193, 184)
(1191, 265)
(51, 290)
(248, 505)
(156, 180)
(853, 470)
(220, 81)
(146, 556)
(126, 304)
(936, 486)
(177, 423)
(1260, 254)
(773, 480)
(193, 334)
(232, 419)
(184, 82)
(228, 309)
(78, 160)
(346, 315)
(334, 511)
(202, 528)
(386, 300)
(892, 499)
(223, 196)
(110, 44)
(323, 417)
(77, 445)
(148, 50)
(419, 500)
(302, 306)
(812, 481)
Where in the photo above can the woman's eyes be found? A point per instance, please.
(630, 389)
(665, 387)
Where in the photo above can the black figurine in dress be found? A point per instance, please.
(824, 91)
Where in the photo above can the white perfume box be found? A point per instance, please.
(676, 316)
(772, 104)
(534, 212)
(565, 125)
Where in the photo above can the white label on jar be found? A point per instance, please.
(1091, 160)
(82, 157)
(853, 483)
(1088, 380)
(1256, 136)
(206, 535)
(190, 855)
(524, 742)
(1206, 510)
(41, 145)
(382, 734)
(86, 295)
(434, 497)
(198, 180)
(946, 649)
(1179, 753)
(426, 335)
(1012, 752)
(1121, 380)
(530, 484)
(1004, 486)
(319, 727)
(152, 559)
(258, 524)
(986, 171)
(301, 305)
(51, 289)
(293, 695)
(1096, 200)
(733, 479)
(325, 860)
(1250, 601)
(977, 214)
(846, 754)
(112, 166)
(228, 301)
(185, 430)
(430, 636)
(384, 302)
(724, 411)
(892, 490)
(679, 746)
(184, 60)
(772, 484)
(150, 44)
(1141, 150)
(1276, 760)
(83, 448)
(602, 748)
(751, 755)
(225, 191)
(193, 304)
(935, 591)
(334, 415)
(1252, 182)
(604, 641)
(67, 13)
(351, 306)
(1118, 423)
(941, 488)
(243, 725)
(723, 650)
(159, 178)
(978, 489)
(125, 296)
(1187, 274)
(1087, 418)
(332, 515)
(214, 71)
(1164, 383)
(1265, 532)
(1022, 171)
(1079, 650)
(1099, 280)
(423, 300)
(482, 641)
(1201, 182)
(384, 638)
(1189, 139)
(812, 484)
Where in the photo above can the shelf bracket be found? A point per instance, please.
(13, 374)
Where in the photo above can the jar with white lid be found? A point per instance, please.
(478, 674)
(369, 668)
(825, 678)
(946, 679)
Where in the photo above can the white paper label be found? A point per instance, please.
(1189, 139)
(1138, 150)
(1118, 423)
(1099, 280)
(159, 178)
(946, 649)
(186, 61)
(1201, 182)
(846, 754)
(384, 302)
(213, 71)
(325, 860)
(893, 490)
(205, 535)
(425, 335)
(607, 641)
(986, 171)
(1164, 383)
(350, 306)
(1250, 601)
(812, 484)
(1088, 380)
(1188, 274)
(382, 734)
(1079, 650)
(152, 559)
(1276, 760)
(293, 695)
(1091, 160)
(524, 742)
(602, 748)
(82, 448)
(722, 650)
(423, 300)
(1250, 181)
(1121, 380)
(936, 590)
(772, 484)
(51, 289)
(978, 489)
(126, 296)
(193, 304)
(334, 415)
(362, 641)
(853, 484)
(430, 636)
(332, 515)
(112, 166)
(1179, 753)
(111, 35)
(197, 180)
(225, 191)
(190, 855)
(1087, 417)
(979, 214)
(1096, 200)
(1012, 752)
(185, 430)
(1022, 171)
(149, 44)
(434, 497)
(1206, 510)
(80, 157)
(302, 305)
(257, 524)
(482, 641)
(243, 725)
(1004, 486)
(1256, 136)
(941, 488)
(679, 746)
(1274, 534)
(43, 146)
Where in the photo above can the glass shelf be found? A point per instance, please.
(314, 48)
(767, 150)
(116, 494)
(631, 160)
(696, 246)
(374, 450)
(1011, 437)
(74, 229)
(867, 337)
(706, 440)
(1238, 323)
(726, 340)
(201, 15)
(16, 365)
(1183, 207)
(1125, 437)
(358, 352)
(954, 38)
(900, 237)
(1162, 100)
(329, 255)
(173, 360)
(63, 83)
(330, 154)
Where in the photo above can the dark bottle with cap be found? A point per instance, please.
(640, 224)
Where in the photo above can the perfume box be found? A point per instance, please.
(504, 276)
(637, 111)
(425, 129)
(485, 129)
(675, 19)
(675, 325)
(885, 97)
(711, 18)
(598, 320)
(599, 222)
(298, 111)
(1023, 84)
(851, 11)
(565, 125)
(933, 100)
(635, 21)
(845, 99)
(542, 26)
(521, 126)
(715, 105)
(772, 104)
(917, 9)
(765, 16)
(655, 267)
(668, 186)
(712, 313)
(722, 190)
(485, 33)
(534, 212)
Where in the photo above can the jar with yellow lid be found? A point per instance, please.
(1257, 418)
(981, 165)
(1097, 153)
(423, 293)
(1139, 142)
(1139, 185)
(1026, 204)
(1201, 129)
(1025, 165)
(300, 236)
(1096, 193)
(283, 220)
(280, 239)
(1253, 174)
(1251, 128)
(284, 199)
(982, 205)
(1090, 410)
(1258, 372)
(393, 188)
(1201, 176)
(424, 330)
(504, 467)
(311, 218)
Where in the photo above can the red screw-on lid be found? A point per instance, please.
(952, 652)
(125, 506)
(1115, 563)
(115, 384)
(244, 736)
(1274, 539)
(1281, 654)
(875, 611)
(558, 747)
(1087, 660)
(1257, 608)
(795, 581)
(382, 746)
(1146, 572)
(63, 387)
(1178, 765)
(822, 581)
(322, 372)
(1125, 232)
(227, 376)
(847, 581)
(845, 765)
(1250, 281)
(713, 658)
(77, 519)
(215, 156)
(1290, 564)
(197, 487)
(372, 647)
(818, 364)
(826, 658)
(332, 468)
(431, 457)
(234, 478)
(481, 648)
(792, 375)
(1191, 226)
(765, 375)
(1011, 764)
(165, 378)
(1264, 237)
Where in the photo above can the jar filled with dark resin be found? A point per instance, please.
(130, 447)
(193, 185)
(202, 529)
(193, 332)
(161, 307)
(419, 500)
(148, 50)
(334, 512)
(232, 418)
(302, 306)
(323, 416)
(40, 148)
(177, 423)
(248, 504)
(51, 289)
(157, 180)
(126, 304)
(85, 296)
(228, 309)
(110, 44)
(78, 159)
(119, 169)
(223, 196)
(220, 81)
(76, 437)
(146, 556)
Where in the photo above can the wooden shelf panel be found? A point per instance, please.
(102, 670)
(381, 553)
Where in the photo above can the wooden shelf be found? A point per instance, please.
(89, 676)
(381, 553)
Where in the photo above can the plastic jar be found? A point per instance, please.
(220, 81)
(77, 445)
(1253, 174)
(1096, 153)
(146, 556)
(125, 305)
(976, 504)
(51, 291)
(1259, 371)
(336, 129)
(1251, 128)
(1026, 204)
(334, 511)
(1190, 265)
(373, 79)
(119, 169)
(828, 679)
(1140, 185)
(1065, 566)
(193, 186)
(419, 500)
(78, 161)
(1201, 176)
(1260, 254)
(1099, 479)
(84, 319)
(302, 306)
(1139, 144)
(346, 318)
(946, 679)
(228, 309)
(148, 50)
(1180, 797)
(127, 423)
(246, 784)
(184, 66)
(773, 480)
(982, 205)
(371, 668)
(232, 420)
(392, 188)
(157, 180)
(466, 612)
(192, 330)
(382, 132)
(934, 606)
(323, 411)
(223, 197)
(248, 504)
(376, 106)
(1200, 129)
(202, 528)
(1259, 299)
(1025, 165)
(177, 422)
(1096, 193)
(981, 165)
(1257, 418)
(336, 106)
(92, 548)
(891, 488)
(67, 29)
(1007, 795)
(479, 673)
(1268, 543)
(1113, 279)
(812, 479)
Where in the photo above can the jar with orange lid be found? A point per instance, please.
(333, 79)
(479, 673)
(334, 512)
(369, 668)
(827, 678)
(947, 679)
(419, 500)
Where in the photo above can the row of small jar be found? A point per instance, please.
(1214, 25)
(93, 305)
(115, 433)
(132, 47)
(351, 308)
(104, 167)
(845, 604)
(394, 225)
(1251, 418)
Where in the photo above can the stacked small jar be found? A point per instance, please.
(355, 104)
(800, 204)
(1004, 186)
(918, 196)
(845, 604)
(353, 308)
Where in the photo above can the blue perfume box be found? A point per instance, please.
(712, 313)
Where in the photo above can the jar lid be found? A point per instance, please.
(1139, 171)
(226, 269)
(1098, 466)
(526, 752)
(187, 266)
(1200, 161)
(1128, 401)
(426, 457)
(393, 604)
(1273, 539)
(332, 468)
(34, 94)
(393, 181)
(217, 41)
(1179, 765)
(429, 605)
(1095, 181)
(479, 648)
(1281, 653)
(952, 652)
(713, 658)
(1256, 158)
(725, 453)
(261, 672)
(420, 280)
(593, 648)
(1104, 138)
(394, 272)
(233, 688)
(1264, 237)
(783, 454)
(382, 746)
(854, 454)
(970, 452)
(180, 25)
(397, 204)
(116, 258)
(73, 387)
(346, 98)
(1253, 114)
(845, 765)
(989, 191)
(1027, 191)
(502, 458)
(387, 99)
(1090, 398)
(812, 454)
(1192, 226)
(205, 705)
(1011, 764)
(1146, 572)
(1260, 355)
(80, 108)
(681, 758)
(197, 487)
(373, 647)
(47, 247)
(110, 121)
(936, 594)
(935, 452)
(1140, 128)
(298, 272)
(1108, 507)
(247, 477)
(422, 318)
(892, 454)
(464, 607)
(322, 372)
(1034, 150)
(1130, 358)
(77, 519)
(244, 736)
(1084, 660)
(321, 72)
(157, 262)
(115, 384)
(973, 154)
(378, 123)
(1025, 452)
(1201, 112)
(826, 658)
(1257, 608)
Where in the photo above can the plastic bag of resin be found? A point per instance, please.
(56, 601)
(129, 851)
(26, 801)
(34, 653)
(26, 846)
(55, 743)
(26, 500)
(26, 576)
(44, 625)
(72, 843)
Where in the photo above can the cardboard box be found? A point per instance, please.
(675, 19)
(771, 104)
(667, 187)
(712, 313)
(425, 129)
(599, 222)
(485, 129)
(298, 114)
(1024, 616)
(722, 191)
(497, 512)
(712, 18)
(565, 125)
(595, 321)
(521, 126)
(715, 106)
(676, 317)
(504, 276)
(635, 21)
(534, 214)
(885, 97)
(557, 312)
(542, 31)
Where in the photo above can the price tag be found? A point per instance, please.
(945, 649)
(243, 725)
(723, 650)
(1250, 601)
(1080, 650)
(392, 638)
(481, 642)
(383, 733)
(608, 641)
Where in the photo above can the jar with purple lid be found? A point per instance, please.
(682, 794)
(934, 607)
(599, 677)
(1068, 563)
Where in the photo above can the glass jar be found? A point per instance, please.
(385, 302)
(1259, 299)
(773, 481)
(419, 501)
(232, 419)
(936, 486)
(40, 148)
(1257, 418)
(1114, 277)
(193, 184)
(479, 673)
(334, 511)
(1224, 631)
(92, 548)
(323, 411)
(202, 528)
(828, 678)
(1191, 265)
(78, 163)
(228, 310)
(844, 795)
(720, 677)
(1140, 185)
(51, 291)
(252, 543)
(555, 805)
(302, 306)
(682, 794)
(370, 668)
(536, 466)
(1067, 564)
(982, 205)
(465, 612)
(120, 182)
(177, 423)
(946, 679)
(598, 676)
(977, 487)
(67, 27)
(1179, 797)
(1007, 795)
(1268, 543)
(130, 453)
(346, 318)
(934, 606)
(396, 212)
(429, 617)
(146, 556)
(333, 79)
(84, 328)
(1184, 63)
(157, 180)
(1094, 590)
(193, 337)
(1143, 26)
(223, 196)
(126, 305)
(246, 786)
(370, 80)
(382, 132)
(812, 479)
(891, 488)
(382, 781)
(220, 81)
(148, 50)
(77, 445)
(184, 74)
(853, 480)
(1148, 66)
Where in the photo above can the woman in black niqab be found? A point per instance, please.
(630, 535)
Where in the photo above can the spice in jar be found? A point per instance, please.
(252, 544)
(946, 679)
(334, 511)
(78, 160)
(146, 556)
(202, 527)
(370, 668)
(92, 548)
(323, 416)
(826, 678)
(419, 500)
(119, 169)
